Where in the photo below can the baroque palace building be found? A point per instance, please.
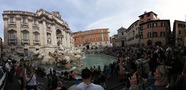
(25, 32)
(148, 30)
(179, 33)
(90, 39)
(133, 34)
(154, 31)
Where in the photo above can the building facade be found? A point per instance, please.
(179, 33)
(133, 34)
(90, 39)
(153, 31)
(25, 32)
(120, 38)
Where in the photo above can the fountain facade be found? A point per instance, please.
(41, 37)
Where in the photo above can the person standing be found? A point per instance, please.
(8, 69)
(87, 84)
(30, 80)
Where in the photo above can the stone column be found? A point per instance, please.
(18, 24)
(30, 30)
(41, 33)
(6, 36)
(44, 38)
(53, 35)
(64, 37)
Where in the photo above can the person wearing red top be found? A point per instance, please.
(72, 75)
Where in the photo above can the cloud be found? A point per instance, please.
(113, 23)
(94, 14)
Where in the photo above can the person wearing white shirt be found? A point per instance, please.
(87, 84)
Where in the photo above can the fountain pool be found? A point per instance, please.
(89, 60)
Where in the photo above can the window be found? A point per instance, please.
(100, 39)
(105, 34)
(142, 17)
(141, 28)
(154, 34)
(83, 41)
(82, 37)
(100, 42)
(12, 36)
(105, 38)
(86, 33)
(162, 34)
(149, 25)
(79, 45)
(179, 25)
(35, 22)
(105, 42)
(179, 31)
(26, 52)
(94, 31)
(90, 39)
(154, 16)
(105, 30)
(82, 33)
(154, 24)
(86, 36)
(99, 30)
(162, 24)
(90, 32)
(24, 19)
(79, 38)
(78, 34)
(95, 35)
(148, 14)
(25, 35)
(11, 19)
(86, 40)
(36, 37)
(149, 35)
(79, 41)
(99, 34)
(95, 39)
(90, 35)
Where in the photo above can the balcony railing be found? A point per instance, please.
(24, 25)
(12, 41)
(36, 42)
(35, 27)
(12, 24)
(25, 41)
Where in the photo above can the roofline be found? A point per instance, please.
(91, 30)
(147, 13)
(132, 24)
(154, 21)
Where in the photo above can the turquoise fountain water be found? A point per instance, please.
(90, 60)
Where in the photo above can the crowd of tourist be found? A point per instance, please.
(149, 68)
(147, 61)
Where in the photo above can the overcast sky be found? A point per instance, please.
(84, 15)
